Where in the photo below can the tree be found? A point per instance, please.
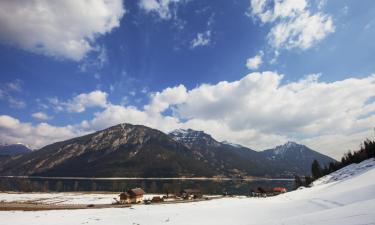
(316, 170)
(308, 180)
(297, 182)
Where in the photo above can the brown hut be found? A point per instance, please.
(134, 195)
(157, 199)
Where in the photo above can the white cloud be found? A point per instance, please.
(82, 101)
(163, 8)
(65, 29)
(163, 100)
(16, 85)
(260, 110)
(293, 24)
(254, 62)
(41, 116)
(302, 32)
(7, 92)
(202, 39)
(15, 103)
(14, 131)
(280, 9)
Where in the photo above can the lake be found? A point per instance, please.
(150, 185)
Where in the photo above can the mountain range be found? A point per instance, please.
(13, 149)
(127, 150)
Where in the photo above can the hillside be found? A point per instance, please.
(346, 197)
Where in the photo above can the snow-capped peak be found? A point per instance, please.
(281, 149)
(190, 136)
(184, 133)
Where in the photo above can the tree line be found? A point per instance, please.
(366, 151)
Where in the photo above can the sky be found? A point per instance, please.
(253, 72)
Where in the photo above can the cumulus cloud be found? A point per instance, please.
(202, 39)
(163, 100)
(163, 8)
(293, 23)
(65, 29)
(14, 131)
(254, 62)
(260, 110)
(82, 101)
(41, 116)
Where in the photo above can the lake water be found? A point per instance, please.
(150, 185)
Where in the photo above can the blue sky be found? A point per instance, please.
(70, 68)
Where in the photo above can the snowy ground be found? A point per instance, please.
(346, 197)
(62, 198)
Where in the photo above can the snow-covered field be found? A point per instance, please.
(62, 198)
(346, 197)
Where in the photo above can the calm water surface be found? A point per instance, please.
(150, 185)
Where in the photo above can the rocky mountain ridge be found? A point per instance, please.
(140, 151)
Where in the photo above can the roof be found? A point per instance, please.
(136, 192)
(124, 194)
(279, 189)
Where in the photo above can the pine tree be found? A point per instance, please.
(316, 170)
(297, 182)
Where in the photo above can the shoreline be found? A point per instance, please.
(151, 178)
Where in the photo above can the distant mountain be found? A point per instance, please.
(129, 150)
(233, 159)
(295, 158)
(13, 149)
(282, 161)
(122, 150)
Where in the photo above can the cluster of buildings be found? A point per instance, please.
(135, 195)
(261, 192)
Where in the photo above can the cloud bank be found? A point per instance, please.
(260, 110)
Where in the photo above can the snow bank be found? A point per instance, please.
(346, 197)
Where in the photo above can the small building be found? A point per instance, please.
(279, 190)
(262, 192)
(157, 199)
(191, 194)
(134, 195)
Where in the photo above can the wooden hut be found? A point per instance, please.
(157, 199)
(134, 195)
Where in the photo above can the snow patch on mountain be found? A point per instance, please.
(282, 149)
(186, 135)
